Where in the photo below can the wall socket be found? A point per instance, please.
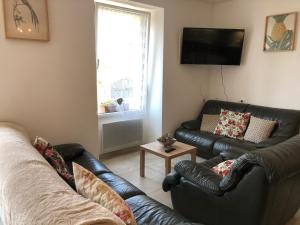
(243, 101)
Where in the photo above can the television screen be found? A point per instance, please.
(212, 46)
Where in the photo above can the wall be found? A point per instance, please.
(50, 88)
(183, 86)
(270, 79)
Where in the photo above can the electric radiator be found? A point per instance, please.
(121, 135)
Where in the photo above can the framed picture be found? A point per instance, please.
(280, 32)
(26, 19)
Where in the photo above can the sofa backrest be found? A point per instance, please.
(288, 120)
(214, 107)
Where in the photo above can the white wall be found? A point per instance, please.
(270, 79)
(50, 88)
(182, 85)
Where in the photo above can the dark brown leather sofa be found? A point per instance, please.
(210, 145)
(146, 210)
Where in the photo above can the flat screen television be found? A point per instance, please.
(210, 46)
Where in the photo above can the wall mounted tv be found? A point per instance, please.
(210, 46)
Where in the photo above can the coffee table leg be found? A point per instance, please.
(168, 166)
(142, 163)
(193, 156)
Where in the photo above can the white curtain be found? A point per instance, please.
(122, 46)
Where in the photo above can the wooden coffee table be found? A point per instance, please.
(157, 149)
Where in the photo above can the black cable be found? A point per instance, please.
(223, 84)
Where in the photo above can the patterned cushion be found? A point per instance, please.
(223, 168)
(209, 123)
(232, 124)
(259, 129)
(90, 186)
(54, 158)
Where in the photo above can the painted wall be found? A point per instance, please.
(50, 88)
(182, 85)
(270, 79)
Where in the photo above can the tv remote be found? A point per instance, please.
(169, 149)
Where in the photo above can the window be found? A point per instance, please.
(122, 49)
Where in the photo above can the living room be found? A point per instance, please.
(50, 89)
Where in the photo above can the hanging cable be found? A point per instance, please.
(223, 84)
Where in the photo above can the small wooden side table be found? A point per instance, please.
(157, 148)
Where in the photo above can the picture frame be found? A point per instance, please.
(26, 19)
(280, 32)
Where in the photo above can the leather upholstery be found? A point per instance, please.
(204, 141)
(88, 161)
(227, 144)
(192, 125)
(205, 179)
(255, 192)
(209, 145)
(69, 151)
(146, 210)
(120, 185)
(288, 120)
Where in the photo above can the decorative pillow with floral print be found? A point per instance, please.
(232, 124)
(54, 159)
(223, 168)
(91, 187)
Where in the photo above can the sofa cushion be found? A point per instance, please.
(54, 158)
(229, 144)
(204, 141)
(232, 124)
(69, 151)
(223, 168)
(93, 188)
(259, 130)
(120, 185)
(147, 211)
(88, 161)
(209, 123)
(288, 120)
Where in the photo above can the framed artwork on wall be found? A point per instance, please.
(26, 19)
(280, 32)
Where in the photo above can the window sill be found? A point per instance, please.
(132, 114)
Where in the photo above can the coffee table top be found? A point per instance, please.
(157, 148)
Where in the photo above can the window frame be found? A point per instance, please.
(145, 64)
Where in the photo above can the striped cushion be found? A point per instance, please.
(209, 122)
(259, 130)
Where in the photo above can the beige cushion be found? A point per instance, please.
(91, 187)
(259, 130)
(209, 122)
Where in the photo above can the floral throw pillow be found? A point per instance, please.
(54, 159)
(223, 168)
(91, 187)
(232, 124)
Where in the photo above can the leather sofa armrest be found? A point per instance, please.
(228, 155)
(69, 151)
(202, 177)
(191, 125)
(170, 180)
(271, 141)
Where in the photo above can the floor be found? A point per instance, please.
(127, 166)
